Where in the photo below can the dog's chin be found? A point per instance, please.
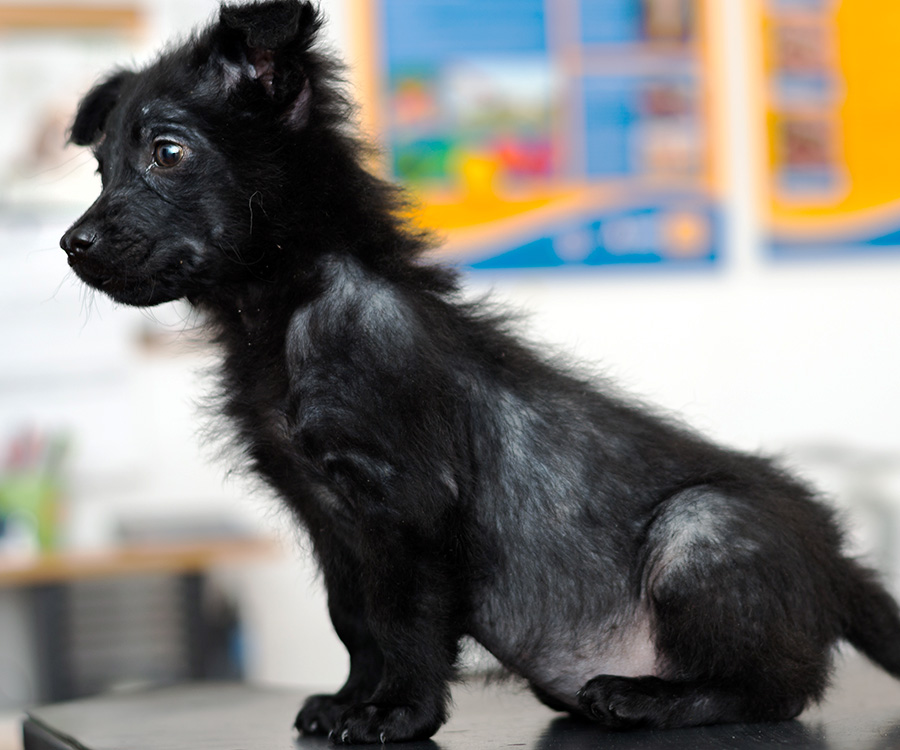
(147, 296)
(147, 292)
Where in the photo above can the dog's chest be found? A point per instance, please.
(257, 398)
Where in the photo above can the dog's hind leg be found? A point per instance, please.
(625, 702)
(743, 620)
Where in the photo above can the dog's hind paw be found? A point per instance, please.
(319, 714)
(374, 722)
(624, 702)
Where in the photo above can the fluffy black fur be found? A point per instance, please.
(453, 481)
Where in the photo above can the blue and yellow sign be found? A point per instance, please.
(551, 134)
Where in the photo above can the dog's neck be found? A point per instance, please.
(320, 218)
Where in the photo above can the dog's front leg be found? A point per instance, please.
(320, 713)
(410, 611)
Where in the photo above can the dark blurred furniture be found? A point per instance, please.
(135, 614)
(862, 712)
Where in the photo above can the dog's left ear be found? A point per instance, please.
(95, 108)
(264, 43)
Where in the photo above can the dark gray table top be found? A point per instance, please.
(861, 712)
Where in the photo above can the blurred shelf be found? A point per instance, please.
(28, 16)
(181, 558)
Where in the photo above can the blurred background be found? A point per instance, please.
(701, 199)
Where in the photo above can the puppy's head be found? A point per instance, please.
(192, 151)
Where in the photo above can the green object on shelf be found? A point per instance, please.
(29, 508)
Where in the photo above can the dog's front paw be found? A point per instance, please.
(376, 722)
(319, 714)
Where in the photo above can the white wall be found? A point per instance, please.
(794, 355)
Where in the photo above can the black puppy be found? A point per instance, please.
(452, 480)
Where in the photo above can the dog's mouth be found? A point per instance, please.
(138, 284)
(146, 288)
(143, 290)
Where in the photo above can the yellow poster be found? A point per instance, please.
(831, 91)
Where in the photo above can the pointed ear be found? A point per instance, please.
(95, 108)
(264, 42)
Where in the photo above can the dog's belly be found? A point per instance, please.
(562, 660)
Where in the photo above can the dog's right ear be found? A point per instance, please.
(264, 43)
(95, 108)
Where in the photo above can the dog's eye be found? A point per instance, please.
(167, 154)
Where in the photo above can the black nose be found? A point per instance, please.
(77, 241)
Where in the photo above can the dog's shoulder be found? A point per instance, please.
(358, 312)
